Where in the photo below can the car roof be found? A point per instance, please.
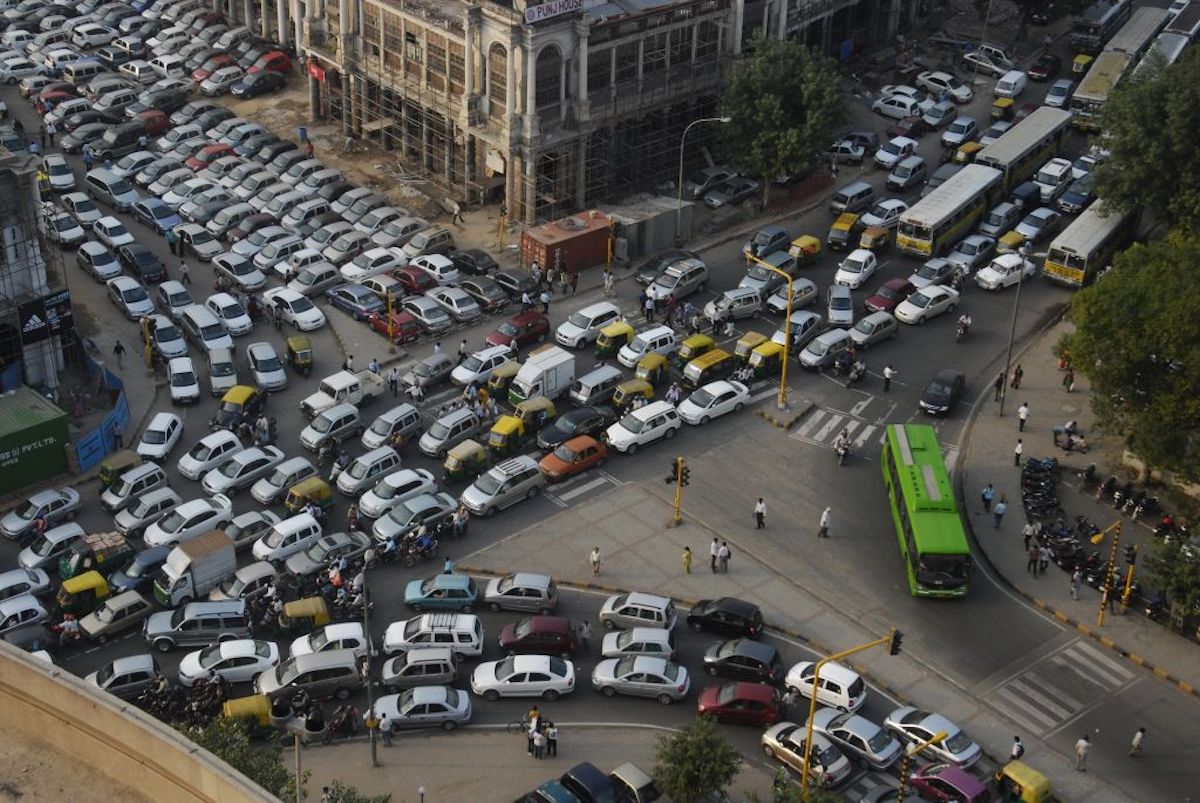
(450, 580)
(531, 580)
(649, 600)
(754, 691)
(756, 649)
(131, 663)
(161, 420)
(530, 663)
(735, 605)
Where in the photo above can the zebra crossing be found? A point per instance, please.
(589, 483)
(1060, 687)
(822, 426)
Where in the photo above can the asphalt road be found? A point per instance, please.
(975, 644)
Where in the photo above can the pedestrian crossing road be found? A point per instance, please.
(1060, 687)
(822, 425)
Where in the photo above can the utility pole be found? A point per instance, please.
(911, 751)
(1131, 553)
(680, 475)
(1110, 574)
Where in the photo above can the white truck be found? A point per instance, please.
(547, 372)
(349, 387)
(195, 568)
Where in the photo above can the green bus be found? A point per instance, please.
(932, 540)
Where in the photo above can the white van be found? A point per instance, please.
(461, 632)
(1011, 84)
(366, 469)
(169, 66)
(596, 387)
(286, 538)
(79, 73)
(656, 340)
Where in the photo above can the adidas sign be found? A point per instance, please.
(34, 323)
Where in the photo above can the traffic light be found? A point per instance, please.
(894, 646)
(1130, 554)
(674, 472)
(687, 473)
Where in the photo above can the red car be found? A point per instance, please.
(525, 328)
(275, 61)
(741, 703)
(414, 280)
(572, 457)
(212, 65)
(404, 326)
(539, 635)
(209, 154)
(1045, 68)
(156, 122)
(888, 295)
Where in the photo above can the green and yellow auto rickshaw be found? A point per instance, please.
(844, 231)
(746, 344)
(256, 708)
(766, 359)
(805, 249)
(1017, 781)
(653, 368)
(507, 436)
(876, 239)
(693, 347)
(300, 354)
(535, 413)
(81, 595)
(612, 338)
(312, 489)
(1003, 109)
(466, 461)
(502, 377)
(117, 464)
(630, 391)
(303, 616)
(1082, 63)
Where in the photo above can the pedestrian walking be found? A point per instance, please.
(564, 282)
(889, 373)
(458, 215)
(823, 529)
(535, 273)
(986, 496)
(551, 739)
(539, 744)
(1135, 747)
(999, 510)
(1018, 748)
(1076, 579)
(308, 148)
(529, 734)
(1022, 416)
(1017, 374)
(609, 279)
(545, 299)
(1017, 451)
(119, 352)
(416, 393)
(185, 273)
(462, 351)
(1031, 565)
(714, 549)
(998, 385)
(574, 282)
(585, 633)
(88, 158)
(594, 559)
(118, 436)
(551, 277)
(437, 347)
(788, 700)
(648, 308)
(1028, 532)
(51, 130)
(393, 378)
(385, 729)
(348, 363)
(687, 560)
(723, 557)
(760, 514)
(1068, 381)
(1043, 558)
(1081, 752)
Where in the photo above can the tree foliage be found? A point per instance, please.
(229, 740)
(344, 793)
(1138, 339)
(1150, 125)
(1177, 574)
(786, 103)
(695, 761)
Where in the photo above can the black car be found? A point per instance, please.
(1078, 196)
(85, 134)
(210, 118)
(514, 283)
(581, 421)
(143, 263)
(943, 392)
(268, 153)
(1045, 68)
(193, 110)
(334, 190)
(258, 83)
(254, 144)
(474, 262)
(743, 659)
(86, 116)
(140, 571)
(728, 616)
(653, 267)
(487, 294)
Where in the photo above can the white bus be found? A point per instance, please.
(1137, 34)
(948, 213)
(1087, 245)
(1163, 52)
(1025, 147)
(1097, 24)
(1096, 87)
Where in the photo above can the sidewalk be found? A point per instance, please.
(500, 767)
(988, 458)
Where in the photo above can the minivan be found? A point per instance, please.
(132, 484)
(909, 173)
(448, 431)
(403, 420)
(197, 624)
(583, 326)
(461, 632)
(825, 348)
(1011, 84)
(120, 140)
(638, 609)
(656, 340)
(503, 485)
(333, 673)
(423, 666)
(597, 386)
(106, 186)
(857, 196)
(204, 329)
(79, 73)
(1002, 218)
(338, 422)
(641, 427)
(679, 280)
(287, 537)
(366, 469)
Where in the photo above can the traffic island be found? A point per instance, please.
(786, 419)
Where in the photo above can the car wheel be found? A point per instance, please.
(703, 420)
(696, 627)
(163, 645)
(449, 725)
(921, 321)
(737, 408)
(494, 607)
(951, 308)
(418, 607)
(768, 751)
(609, 624)
(665, 699)
(670, 433)
(533, 492)
(549, 695)
(342, 694)
(492, 695)
(632, 448)
(102, 638)
(608, 691)
(491, 511)
(468, 608)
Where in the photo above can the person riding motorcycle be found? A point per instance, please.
(857, 370)
(964, 324)
(341, 464)
(841, 444)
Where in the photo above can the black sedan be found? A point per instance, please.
(487, 294)
(143, 263)
(945, 390)
(728, 616)
(744, 659)
(258, 83)
(474, 262)
(255, 143)
(514, 283)
(85, 134)
(582, 421)
(86, 116)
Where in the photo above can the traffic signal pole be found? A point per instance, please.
(680, 475)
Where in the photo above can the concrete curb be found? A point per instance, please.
(786, 419)
(959, 478)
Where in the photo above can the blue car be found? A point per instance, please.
(355, 299)
(157, 215)
(456, 592)
(140, 571)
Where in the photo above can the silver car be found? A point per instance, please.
(642, 676)
(874, 328)
(266, 366)
(521, 591)
(426, 509)
(973, 252)
(504, 485)
(243, 470)
(859, 736)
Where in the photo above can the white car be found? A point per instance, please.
(858, 266)
(1004, 271)
(213, 450)
(190, 520)
(439, 266)
(112, 232)
(91, 34)
(160, 437)
(280, 544)
(337, 636)
(168, 340)
(643, 426)
(297, 309)
(461, 306)
(372, 262)
(915, 726)
(240, 270)
(62, 178)
(524, 676)
(892, 152)
(886, 213)
(18, 67)
(237, 661)
(424, 707)
(478, 367)
(59, 227)
(926, 303)
(243, 470)
(181, 376)
(266, 366)
(231, 313)
(395, 489)
(713, 400)
(937, 82)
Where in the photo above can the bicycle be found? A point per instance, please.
(520, 726)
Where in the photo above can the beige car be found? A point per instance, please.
(118, 614)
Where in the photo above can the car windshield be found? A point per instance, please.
(701, 398)
(231, 469)
(505, 668)
(726, 693)
(488, 484)
(268, 363)
(632, 423)
(233, 587)
(438, 430)
(222, 368)
(171, 522)
(566, 454)
(508, 330)
(134, 294)
(385, 490)
(358, 469)
(104, 675)
(183, 379)
(155, 436)
(957, 742)
(300, 304)
(210, 655)
(472, 363)
(307, 277)
(381, 426)
(258, 237)
(919, 300)
(850, 266)
(841, 302)
(59, 169)
(28, 510)
(84, 205)
(322, 423)
(879, 742)
(827, 757)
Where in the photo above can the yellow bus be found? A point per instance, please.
(1087, 245)
(950, 212)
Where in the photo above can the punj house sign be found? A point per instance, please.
(551, 9)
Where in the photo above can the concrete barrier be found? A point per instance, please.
(102, 734)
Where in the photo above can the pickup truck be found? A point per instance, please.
(348, 387)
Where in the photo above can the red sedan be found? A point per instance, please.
(275, 61)
(212, 65)
(414, 280)
(741, 703)
(889, 294)
(573, 457)
(404, 326)
(209, 154)
(525, 328)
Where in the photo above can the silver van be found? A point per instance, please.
(504, 485)
(911, 171)
(80, 72)
(680, 280)
(403, 420)
(367, 469)
(333, 673)
(423, 666)
(106, 186)
(461, 632)
(857, 196)
(596, 387)
(204, 329)
(448, 431)
(655, 340)
(132, 484)
(197, 624)
(337, 423)
(825, 348)
(1000, 220)
(273, 487)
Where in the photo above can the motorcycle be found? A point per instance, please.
(857, 371)
(1087, 476)
(842, 449)
(1156, 607)
(1106, 487)
(960, 332)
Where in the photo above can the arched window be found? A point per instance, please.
(549, 76)
(497, 72)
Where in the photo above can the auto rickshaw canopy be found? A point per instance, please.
(1002, 109)
(465, 459)
(82, 593)
(536, 411)
(502, 377)
(1082, 63)
(767, 358)
(653, 368)
(1019, 781)
(613, 337)
(304, 614)
(805, 248)
(300, 353)
(506, 434)
(695, 346)
(256, 707)
(967, 152)
(875, 238)
(117, 464)
(311, 489)
(747, 343)
(630, 390)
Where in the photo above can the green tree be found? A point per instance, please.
(229, 740)
(344, 793)
(1137, 338)
(786, 103)
(695, 761)
(1177, 574)
(1150, 124)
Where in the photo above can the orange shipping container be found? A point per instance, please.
(579, 241)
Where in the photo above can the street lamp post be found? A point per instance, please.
(787, 325)
(1012, 328)
(367, 664)
(421, 792)
(679, 186)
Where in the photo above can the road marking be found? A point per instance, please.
(951, 459)
(1016, 704)
(582, 489)
(808, 426)
(1098, 664)
(830, 426)
(1032, 693)
(865, 436)
(610, 477)
(857, 409)
(763, 394)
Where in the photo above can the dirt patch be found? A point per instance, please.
(33, 772)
